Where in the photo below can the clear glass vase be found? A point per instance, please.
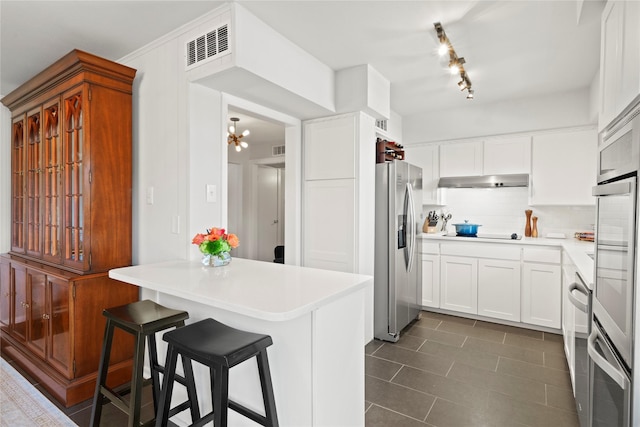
(219, 260)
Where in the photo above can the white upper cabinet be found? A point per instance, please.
(491, 157)
(461, 159)
(507, 156)
(619, 59)
(329, 148)
(426, 157)
(563, 168)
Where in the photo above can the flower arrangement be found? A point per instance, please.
(216, 242)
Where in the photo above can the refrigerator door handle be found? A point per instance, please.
(412, 231)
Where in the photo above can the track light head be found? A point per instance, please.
(455, 63)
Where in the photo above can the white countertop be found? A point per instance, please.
(579, 252)
(576, 250)
(262, 290)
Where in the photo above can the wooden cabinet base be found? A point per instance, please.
(55, 326)
(67, 392)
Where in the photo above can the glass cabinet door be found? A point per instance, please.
(73, 147)
(37, 329)
(52, 159)
(21, 302)
(33, 183)
(5, 294)
(17, 184)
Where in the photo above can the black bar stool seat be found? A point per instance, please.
(142, 319)
(218, 347)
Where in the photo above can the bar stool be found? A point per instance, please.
(142, 319)
(219, 347)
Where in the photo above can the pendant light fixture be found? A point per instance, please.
(232, 138)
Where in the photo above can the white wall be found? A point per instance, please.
(559, 110)
(501, 210)
(180, 147)
(207, 161)
(159, 155)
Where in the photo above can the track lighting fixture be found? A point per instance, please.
(232, 138)
(455, 62)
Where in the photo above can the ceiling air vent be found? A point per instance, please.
(381, 124)
(206, 46)
(277, 150)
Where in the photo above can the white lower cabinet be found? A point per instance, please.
(541, 294)
(520, 284)
(431, 280)
(459, 284)
(499, 289)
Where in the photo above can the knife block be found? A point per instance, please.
(426, 228)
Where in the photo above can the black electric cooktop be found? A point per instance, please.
(500, 236)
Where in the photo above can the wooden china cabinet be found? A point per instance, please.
(71, 183)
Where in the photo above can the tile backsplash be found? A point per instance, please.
(501, 210)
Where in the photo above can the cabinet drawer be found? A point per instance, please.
(551, 256)
(479, 250)
(430, 248)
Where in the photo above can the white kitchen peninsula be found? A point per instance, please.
(315, 317)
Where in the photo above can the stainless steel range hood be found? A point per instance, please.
(485, 181)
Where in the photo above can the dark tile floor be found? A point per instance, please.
(444, 371)
(451, 371)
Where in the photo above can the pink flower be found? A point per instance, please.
(198, 239)
(233, 241)
(215, 233)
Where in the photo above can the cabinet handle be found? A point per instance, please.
(45, 316)
(7, 294)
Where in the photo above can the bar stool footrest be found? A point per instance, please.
(115, 398)
(249, 413)
(203, 421)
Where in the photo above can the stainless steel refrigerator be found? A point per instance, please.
(398, 267)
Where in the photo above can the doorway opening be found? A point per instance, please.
(256, 186)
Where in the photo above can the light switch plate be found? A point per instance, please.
(211, 193)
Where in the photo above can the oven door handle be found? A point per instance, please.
(575, 286)
(601, 361)
(611, 189)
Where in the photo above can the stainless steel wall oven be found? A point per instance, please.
(580, 296)
(613, 327)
